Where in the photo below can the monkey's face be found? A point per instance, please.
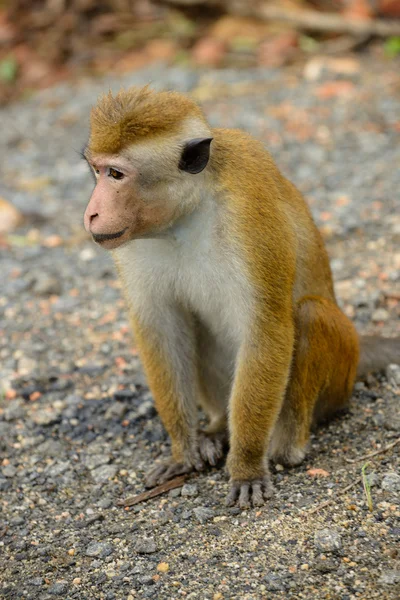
(144, 190)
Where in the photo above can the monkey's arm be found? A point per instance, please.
(167, 349)
(257, 396)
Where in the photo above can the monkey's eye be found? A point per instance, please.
(115, 174)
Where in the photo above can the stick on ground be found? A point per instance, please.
(366, 456)
(157, 491)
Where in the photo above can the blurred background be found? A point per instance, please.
(45, 41)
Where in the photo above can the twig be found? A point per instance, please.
(157, 491)
(316, 21)
(327, 502)
(366, 456)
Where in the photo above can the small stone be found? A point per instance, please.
(274, 582)
(36, 581)
(46, 417)
(59, 588)
(390, 577)
(14, 411)
(393, 374)
(175, 493)
(46, 285)
(146, 580)
(163, 567)
(325, 565)
(105, 503)
(92, 461)
(327, 540)
(104, 473)
(372, 479)
(189, 490)
(146, 546)
(380, 314)
(99, 549)
(115, 411)
(391, 482)
(9, 471)
(203, 514)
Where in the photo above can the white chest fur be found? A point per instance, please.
(189, 267)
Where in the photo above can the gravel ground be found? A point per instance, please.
(78, 428)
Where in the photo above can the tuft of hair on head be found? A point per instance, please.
(121, 119)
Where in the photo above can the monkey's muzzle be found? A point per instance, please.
(103, 237)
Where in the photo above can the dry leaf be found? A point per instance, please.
(10, 217)
(317, 473)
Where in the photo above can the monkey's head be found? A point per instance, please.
(147, 151)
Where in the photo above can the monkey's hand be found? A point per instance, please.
(212, 446)
(245, 493)
(170, 468)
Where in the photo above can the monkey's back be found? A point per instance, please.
(270, 215)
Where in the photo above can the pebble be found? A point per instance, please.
(9, 471)
(99, 549)
(104, 473)
(115, 411)
(92, 461)
(36, 581)
(390, 577)
(393, 374)
(59, 588)
(105, 503)
(46, 285)
(380, 314)
(14, 411)
(189, 490)
(203, 514)
(146, 546)
(391, 482)
(46, 417)
(372, 479)
(327, 540)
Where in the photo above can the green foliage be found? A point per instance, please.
(367, 487)
(392, 46)
(8, 69)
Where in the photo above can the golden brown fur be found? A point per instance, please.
(120, 120)
(230, 290)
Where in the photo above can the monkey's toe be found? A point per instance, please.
(247, 493)
(165, 471)
(211, 448)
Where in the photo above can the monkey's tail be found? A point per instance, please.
(376, 353)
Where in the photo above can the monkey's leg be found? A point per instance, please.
(215, 376)
(168, 353)
(257, 396)
(322, 375)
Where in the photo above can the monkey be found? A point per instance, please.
(228, 285)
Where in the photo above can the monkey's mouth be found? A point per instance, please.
(104, 237)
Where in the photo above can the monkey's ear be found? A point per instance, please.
(195, 155)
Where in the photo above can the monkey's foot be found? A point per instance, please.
(168, 469)
(245, 493)
(291, 456)
(212, 447)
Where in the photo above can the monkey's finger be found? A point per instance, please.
(257, 495)
(233, 495)
(154, 475)
(268, 488)
(208, 450)
(244, 497)
(175, 470)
